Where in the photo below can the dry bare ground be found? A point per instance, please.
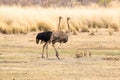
(20, 58)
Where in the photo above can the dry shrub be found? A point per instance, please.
(83, 54)
(110, 30)
(85, 29)
(79, 55)
(112, 58)
(92, 32)
(42, 26)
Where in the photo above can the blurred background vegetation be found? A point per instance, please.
(23, 16)
(55, 3)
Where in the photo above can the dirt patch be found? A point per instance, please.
(31, 67)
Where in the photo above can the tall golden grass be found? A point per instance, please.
(17, 19)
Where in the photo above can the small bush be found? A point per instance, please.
(84, 29)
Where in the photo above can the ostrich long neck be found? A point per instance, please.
(59, 25)
(68, 26)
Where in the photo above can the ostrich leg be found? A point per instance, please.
(43, 50)
(47, 50)
(57, 54)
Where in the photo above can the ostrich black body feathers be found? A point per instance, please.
(43, 36)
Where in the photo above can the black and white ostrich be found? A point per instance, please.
(53, 37)
(44, 37)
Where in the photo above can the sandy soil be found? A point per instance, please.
(20, 58)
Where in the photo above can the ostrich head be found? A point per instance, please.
(37, 40)
(60, 18)
(68, 18)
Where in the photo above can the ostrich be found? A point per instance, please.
(46, 37)
(59, 36)
(53, 37)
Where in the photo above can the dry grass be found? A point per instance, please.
(17, 19)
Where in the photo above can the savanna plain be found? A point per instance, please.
(93, 30)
